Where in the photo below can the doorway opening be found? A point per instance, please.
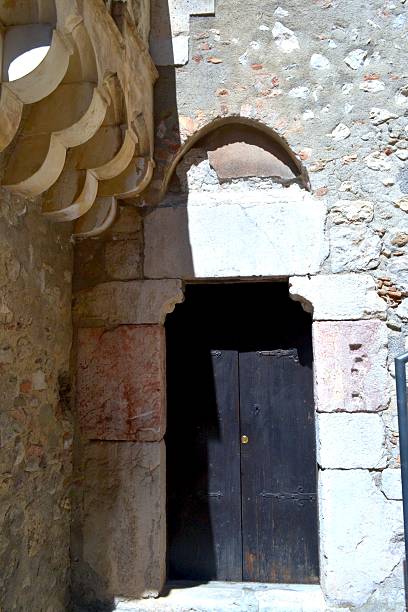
(241, 450)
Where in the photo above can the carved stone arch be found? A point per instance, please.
(270, 140)
(193, 138)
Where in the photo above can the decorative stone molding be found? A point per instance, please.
(83, 157)
(178, 135)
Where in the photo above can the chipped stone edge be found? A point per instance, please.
(312, 302)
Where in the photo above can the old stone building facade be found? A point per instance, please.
(173, 144)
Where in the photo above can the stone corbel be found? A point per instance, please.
(146, 302)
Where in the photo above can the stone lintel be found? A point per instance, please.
(337, 297)
(140, 302)
(242, 233)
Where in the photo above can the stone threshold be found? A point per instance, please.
(230, 596)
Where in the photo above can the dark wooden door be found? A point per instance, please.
(278, 468)
(204, 494)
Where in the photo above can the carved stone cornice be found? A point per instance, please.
(78, 129)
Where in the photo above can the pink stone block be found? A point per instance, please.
(121, 383)
(350, 363)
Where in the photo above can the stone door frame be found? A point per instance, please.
(343, 330)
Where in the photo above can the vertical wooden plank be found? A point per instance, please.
(278, 465)
(204, 495)
(224, 477)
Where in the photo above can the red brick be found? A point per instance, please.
(121, 382)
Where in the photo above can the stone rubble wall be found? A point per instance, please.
(36, 429)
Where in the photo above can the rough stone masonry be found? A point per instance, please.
(83, 522)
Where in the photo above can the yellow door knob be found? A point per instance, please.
(244, 439)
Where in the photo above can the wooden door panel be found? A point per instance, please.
(278, 468)
(204, 495)
(224, 478)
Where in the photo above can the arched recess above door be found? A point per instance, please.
(243, 147)
(234, 202)
(78, 128)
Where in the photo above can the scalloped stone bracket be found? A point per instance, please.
(32, 88)
(86, 48)
(170, 28)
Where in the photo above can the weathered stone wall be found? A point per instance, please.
(327, 77)
(35, 417)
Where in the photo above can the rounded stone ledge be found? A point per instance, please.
(224, 596)
(337, 297)
(144, 302)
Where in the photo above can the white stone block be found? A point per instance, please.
(398, 271)
(285, 39)
(352, 211)
(354, 248)
(201, 7)
(338, 296)
(355, 59)
(170, 52)
(277, 232)
(391, 483)
(360, 534)
(170, 26)
(123, 519)
(350, 440)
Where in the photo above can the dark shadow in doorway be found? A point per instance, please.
(228, 316)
